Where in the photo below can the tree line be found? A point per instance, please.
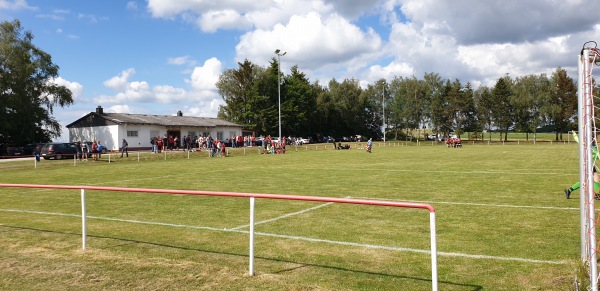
(410, 105)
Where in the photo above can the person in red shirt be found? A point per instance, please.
(283, 142)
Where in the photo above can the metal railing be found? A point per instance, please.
(252, 197)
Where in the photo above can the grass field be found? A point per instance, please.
(503, 222)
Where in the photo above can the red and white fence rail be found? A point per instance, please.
(252, 197)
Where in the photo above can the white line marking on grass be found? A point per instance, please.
(462, 172)
(283, 216)
(475, 204)
(308, 239)
(410, 249)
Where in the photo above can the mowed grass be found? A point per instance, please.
(503, 222)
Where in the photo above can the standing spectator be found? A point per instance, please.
(170, 142)
(85, 152)
(124, 147)
(283, 142)
(78, 148)
(94, 151)
(213, 145)
(153, 143)
(369, 145)
(100, 148)
(159, 144)
(209, 142)
(188, 141)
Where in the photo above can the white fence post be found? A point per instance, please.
(251, 252)
(83, 220)
(434, 275)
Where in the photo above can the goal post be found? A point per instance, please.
(589, 57)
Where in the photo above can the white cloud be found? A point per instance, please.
(205, 77)
(131, 5)
(183, 60)
(91, 18)
(14, 5)
(312, 40)
(388, 72)
(76, 88)
(202, 84)
(515, 21)
(119, 83)
(119, 109)
(223, 19)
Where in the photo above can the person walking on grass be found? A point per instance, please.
(369, 145)
(124, 146)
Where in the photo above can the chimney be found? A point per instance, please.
(99, 110)
(179, 113)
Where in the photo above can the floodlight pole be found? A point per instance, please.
(279, 55)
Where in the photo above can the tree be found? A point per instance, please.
(238, 88)
(483, 104)
(442, 111)
(28, 93)
(350, 104)
(562, 102)
(502, 109)
(528, 99)
(433, 91)
(466, 116)
(299, 106)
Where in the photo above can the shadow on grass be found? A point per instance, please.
(301, 265)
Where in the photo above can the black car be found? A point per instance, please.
(58, 150)
(33, 149)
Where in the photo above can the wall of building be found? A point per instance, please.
(139, 136)
(105, 134)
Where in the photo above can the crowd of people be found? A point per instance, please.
(87, 150)
(216, 146)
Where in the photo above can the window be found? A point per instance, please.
(233, 134)
(220, 135)
(132, 133)
(154, 133)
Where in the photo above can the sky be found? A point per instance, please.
(163, 56)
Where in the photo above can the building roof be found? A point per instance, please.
(100, 119)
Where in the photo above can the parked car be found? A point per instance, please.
(13, 150)
(33, 148)
(301, 141)
(58, 150)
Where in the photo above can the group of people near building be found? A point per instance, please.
(238, 141)
(94, 150)
(160, 144)
(86, 150)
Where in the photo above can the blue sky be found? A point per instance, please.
(161, 56)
